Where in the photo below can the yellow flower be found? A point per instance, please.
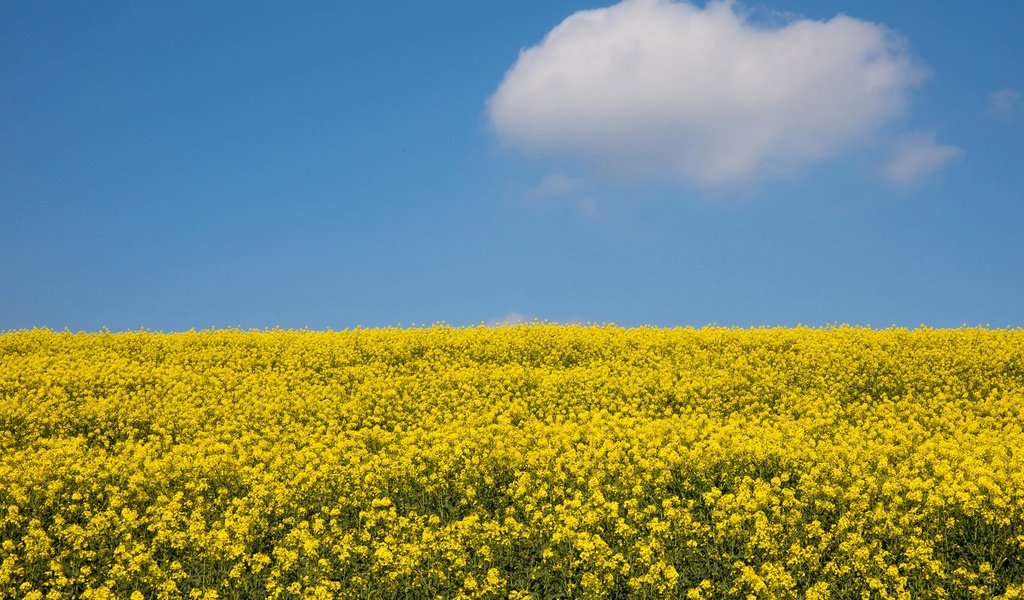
(438, 461)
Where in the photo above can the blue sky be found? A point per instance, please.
(192, 165)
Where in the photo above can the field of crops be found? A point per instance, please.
(535, 461)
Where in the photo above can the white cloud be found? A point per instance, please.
(662, 90)
(558, 187)
(915, 156)
(555, 185)
(517, 318)
(588, 207)
(1008, 102)
(511, 318)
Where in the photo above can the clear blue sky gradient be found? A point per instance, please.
(186, 165)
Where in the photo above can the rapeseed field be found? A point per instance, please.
(535, 461)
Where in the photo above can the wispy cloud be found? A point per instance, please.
(555, 185)
(559, 187)
(1006, 103)
(588, 207)
(515, 318)
(661, 90)
(511, 318)
(917, 155)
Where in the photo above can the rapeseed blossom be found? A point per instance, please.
(516, 462)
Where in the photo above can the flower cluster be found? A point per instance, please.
(532, 461)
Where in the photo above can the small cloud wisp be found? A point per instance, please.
(915, 156)
(1006, 103)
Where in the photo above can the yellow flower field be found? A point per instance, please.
(535, 461)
